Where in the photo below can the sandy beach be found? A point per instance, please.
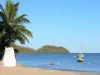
(20, 70)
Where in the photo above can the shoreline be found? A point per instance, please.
(24, 70)
(63, 70)
(67, 70)
(21, 70)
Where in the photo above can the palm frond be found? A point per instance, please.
(22, 29)
(1, 23)
(3, 17)
(23, 36)
(9, 10)
(14, 11)
(1, 8)
(7, 4)
(21, 40)
(1, 27)
(3, 14)
(21, 19)
(27, 32)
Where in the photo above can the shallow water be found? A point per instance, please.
(62, 61)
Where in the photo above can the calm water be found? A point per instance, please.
(62, 61)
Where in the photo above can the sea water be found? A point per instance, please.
(65, 62)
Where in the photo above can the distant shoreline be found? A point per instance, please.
(44, 53)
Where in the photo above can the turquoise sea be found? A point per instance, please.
(65, 62)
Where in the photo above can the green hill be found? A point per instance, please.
(44, 49)
(23, 49)
(52, 49)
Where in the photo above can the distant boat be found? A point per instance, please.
(80, 55)
(80, 59)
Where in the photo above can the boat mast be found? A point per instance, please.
(81, 48)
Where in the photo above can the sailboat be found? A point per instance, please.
(80, 56)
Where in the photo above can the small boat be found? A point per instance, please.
(80, 56)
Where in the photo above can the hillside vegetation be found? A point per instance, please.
(44, 49)
(52, 49)
(23, 49)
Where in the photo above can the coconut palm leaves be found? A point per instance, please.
(11, 25)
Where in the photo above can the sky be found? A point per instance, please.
(63, 23)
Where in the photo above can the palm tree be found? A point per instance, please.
(11, 25)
